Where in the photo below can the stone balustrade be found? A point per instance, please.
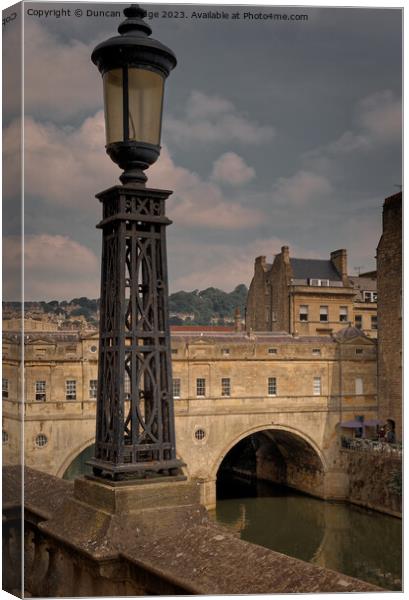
(94, 539)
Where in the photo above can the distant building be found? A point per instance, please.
(389, 266)
(309, 296)
(182, 316)
(15, 324)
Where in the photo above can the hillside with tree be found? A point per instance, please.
(207, 307)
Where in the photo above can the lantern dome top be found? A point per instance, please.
(133, 47)
(134, 22)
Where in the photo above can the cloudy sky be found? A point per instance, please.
(273, 133)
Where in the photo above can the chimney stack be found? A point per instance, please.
(260, 260)
(339, 260)
(237, 320)
(285, 253)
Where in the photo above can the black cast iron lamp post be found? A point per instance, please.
(135, 429)
(134, 68)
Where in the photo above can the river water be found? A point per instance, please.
(349, 539)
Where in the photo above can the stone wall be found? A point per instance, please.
(93, 539)
(389, 265)
(374, 480)
(289, 461)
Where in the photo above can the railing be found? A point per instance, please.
(372, 446)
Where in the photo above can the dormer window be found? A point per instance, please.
(319, 282)
(370, 296)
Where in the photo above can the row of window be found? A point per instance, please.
(226, 351)
(41, 439)
(304, 313)
(70, 389)
(41, 389)
(225, 388)
(314, 351)
(374, 321)
(343, 316)
(272, 389)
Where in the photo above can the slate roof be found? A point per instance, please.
(306, 268)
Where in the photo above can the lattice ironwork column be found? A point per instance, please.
(135, 432)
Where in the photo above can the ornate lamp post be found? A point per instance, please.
(135, 432)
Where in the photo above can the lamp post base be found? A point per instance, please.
(152, 470)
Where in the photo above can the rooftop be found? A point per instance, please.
(363, 283)
(311, 268)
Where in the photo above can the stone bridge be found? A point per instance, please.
(298, 446)
(295, 447)
(289, 394)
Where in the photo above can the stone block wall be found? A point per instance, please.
(374, 480)
(389, 266)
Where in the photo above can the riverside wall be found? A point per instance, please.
(375, 480)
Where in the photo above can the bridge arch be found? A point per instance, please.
(75, 454)
(259, 429)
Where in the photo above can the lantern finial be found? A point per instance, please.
(134, 23)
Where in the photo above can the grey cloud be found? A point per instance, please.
(213, 119)
(328, 88)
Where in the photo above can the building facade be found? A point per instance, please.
(389, 266)
(365, 308)
(309, 296)
(226, 385)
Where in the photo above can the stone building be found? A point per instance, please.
(365, 307)
(389, 266)
(226, 384)
(309, 296)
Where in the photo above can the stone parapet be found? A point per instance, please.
(73, 548)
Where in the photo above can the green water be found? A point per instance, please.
(351, 540)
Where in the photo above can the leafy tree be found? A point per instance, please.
(82, 311)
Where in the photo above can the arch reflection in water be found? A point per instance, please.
(343, 537)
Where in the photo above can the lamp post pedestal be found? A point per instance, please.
(135, 433)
